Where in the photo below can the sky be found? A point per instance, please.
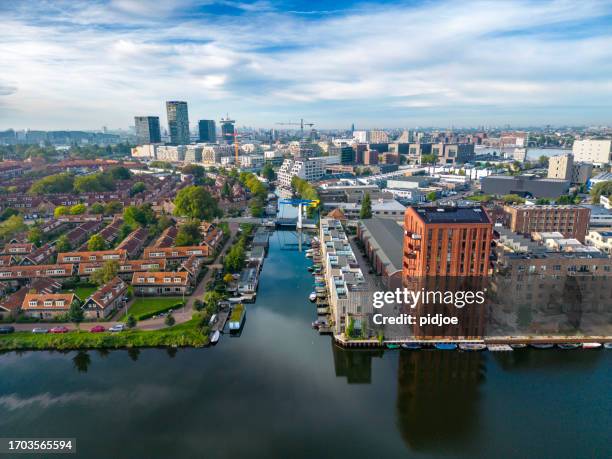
(86, 64)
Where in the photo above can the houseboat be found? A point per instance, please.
(236, 319)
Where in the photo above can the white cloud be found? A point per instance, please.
(82, 65)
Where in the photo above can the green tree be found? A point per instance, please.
(35, 236)
(565, 199)
(169, 320)
(196, 202)
(12, 226)
(513, 199)
(78, 209)
(235, 258)
(142, 215)
(96, 242)
(366, 207)
(58, 183)
(542, 201)
(189, 234)
(198, 305)
(268, 173)
(112, 208)
(99, 181)
(61, 210)
(431, 196)
(63, 244)
(130, 321)
(76, 313)
(138, 187)
(211, 300)
(106, 273)
(96, 208)
(601, 189)
(8, 212)
(543, 160)
(120, 173)
(428, 159)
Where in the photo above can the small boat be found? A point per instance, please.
(310, 269)
(472, 347)
(214, 337)
(445, 346)
(316, 324)
(591, 345)
(542, 345)
(568, 346)
(312, 297)
(607, 345)
(411, 346)
(518, 346)
(393, 346)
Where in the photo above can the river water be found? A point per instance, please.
(281, 390)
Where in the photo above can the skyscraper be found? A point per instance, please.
(207, 131)
(178, 122)
(227, 129)
(147, 129)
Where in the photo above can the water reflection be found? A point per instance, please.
(354, 365)
(81, 361)
(438, 394)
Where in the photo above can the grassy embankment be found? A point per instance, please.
(144, 308)
(187, 334)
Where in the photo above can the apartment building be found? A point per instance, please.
(593, 151)
(446, 241)
(571, 221)
(563, 167)
(452, 154)
(309, 169)
(601, 240)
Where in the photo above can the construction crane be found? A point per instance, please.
(301, 124)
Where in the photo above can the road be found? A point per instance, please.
(180, 316)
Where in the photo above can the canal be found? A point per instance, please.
(281, 390)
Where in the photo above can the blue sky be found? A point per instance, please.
(86, 64)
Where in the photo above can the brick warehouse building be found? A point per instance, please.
(571, 221)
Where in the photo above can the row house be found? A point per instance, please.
(107, 299)
(126, 267)
(47, 305)
(19, 249)
(11, 305)
(110, 232)
(7, 260)
(166, 238)
(170, 283)
(177, 252)
(211, 235)
(19, 273)
(81, 218)
(193, 266)
(89, 257)
(81, 233)
(134, 242)
(40, 256)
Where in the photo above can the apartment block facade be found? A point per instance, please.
(571, 221)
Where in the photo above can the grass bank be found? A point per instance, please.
(146, 307)
(187, 334)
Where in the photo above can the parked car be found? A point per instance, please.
(40, 330)
(60, 329)
(97, 329)
(5, 330)
(117, 328)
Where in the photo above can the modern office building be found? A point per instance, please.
(178, 122)
(207, 131)
(524, 185)
(147, 129)
(346, 153)
(446, 241)
(571, 221)
(593, 151)
(451, 154)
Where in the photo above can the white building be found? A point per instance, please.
(170, 153)
(309, 169)
(593, 151)
(360, 136)
(144, 151)
(251, 161)
(601, 240)
(213, 153)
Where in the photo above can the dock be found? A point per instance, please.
(219, 325)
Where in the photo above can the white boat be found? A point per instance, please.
(591, 345)
(312, 297)
(607, 345)
(472, 346)
(214, 337)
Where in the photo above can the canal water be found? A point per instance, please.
(281, 390)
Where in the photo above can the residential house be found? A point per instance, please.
(11, 305)
(40, 256)
(18, 249)
(177, 252)
(161, 283)
(126, 267)
(92, 256)
(20, 273)
(47, 305)
(134, 242)
(106, 299)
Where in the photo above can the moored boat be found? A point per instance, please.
(214, 337)
(312, 297)
(591, 345)
(236, 319)
(445, 346)
(411, 346)
(310, 269)
(518, 346)
(607, 345)
(568, 346)
(542, 345)
(393, 346)
(472, 347)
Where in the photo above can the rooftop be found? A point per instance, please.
(452, 214)
(388, 236)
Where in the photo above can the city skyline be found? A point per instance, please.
(83, 65)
